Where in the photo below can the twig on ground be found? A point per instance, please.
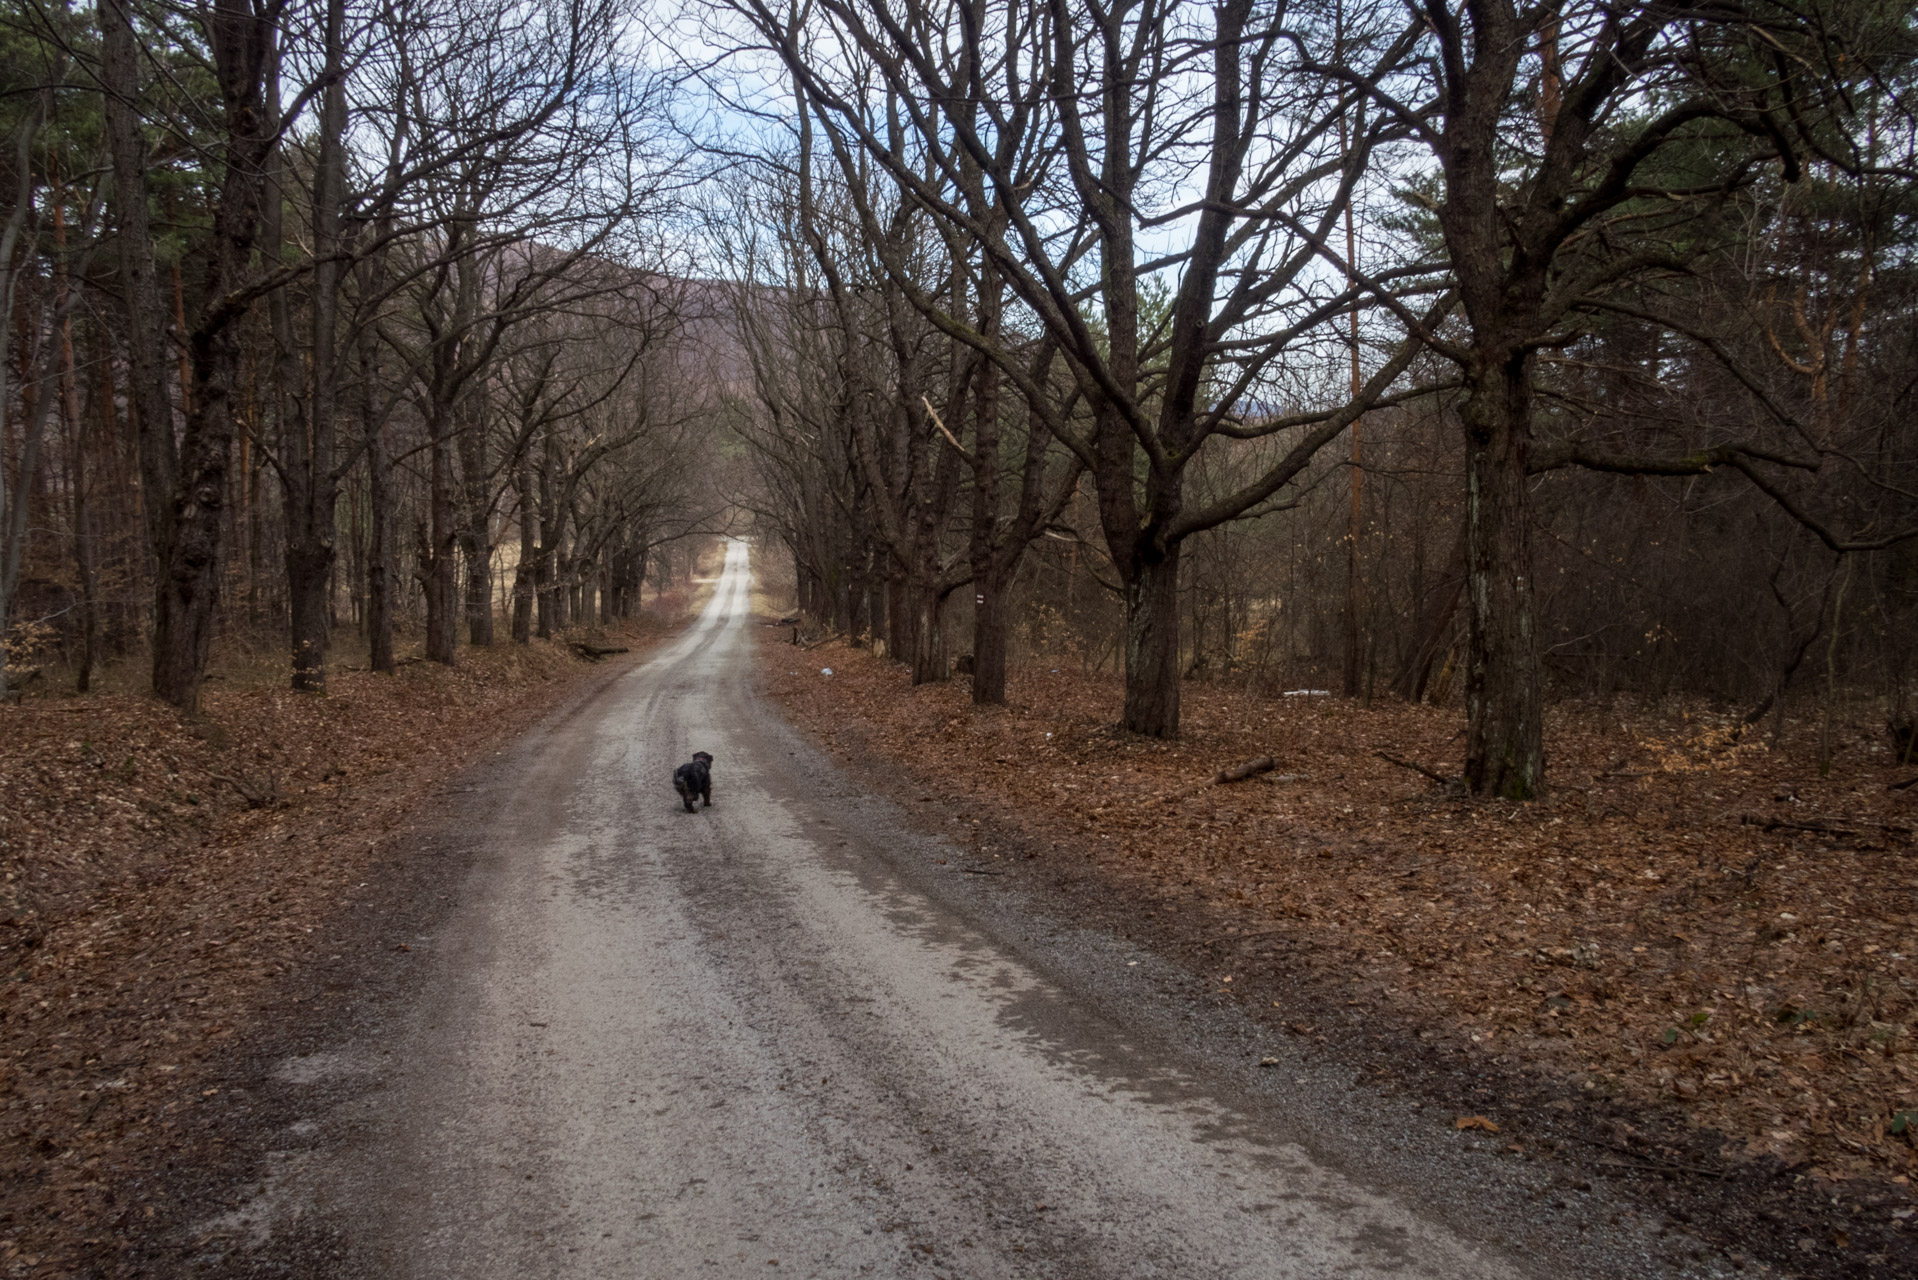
(1434, 775)
(1644, 1162)
(1779, 824)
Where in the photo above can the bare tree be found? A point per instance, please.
(1157, 186)
(1579, 150)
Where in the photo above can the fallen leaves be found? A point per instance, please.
(160, 874)
(1633, 934)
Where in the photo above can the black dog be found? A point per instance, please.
(695, 779)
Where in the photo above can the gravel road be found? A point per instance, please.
(774, 1038)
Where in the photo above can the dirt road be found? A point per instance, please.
(781, 1033)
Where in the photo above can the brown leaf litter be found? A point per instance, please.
(161, 873)
(1693, 919)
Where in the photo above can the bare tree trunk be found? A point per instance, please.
(988, 585)
(929, 661)
(244, 55)
(79, 483)
(1152, 647)
(306, 556)
(152, 408)
(439, 553)
(524, 572)
(547, 572)
(878, 600)
(901, 621)
(312, 486)
(989, 627)
(1434, 620)
(379, 554)
(479, 589)
(1504, 701)
(476, 532)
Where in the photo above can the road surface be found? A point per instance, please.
(647, 1043)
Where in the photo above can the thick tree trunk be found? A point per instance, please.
(190, 579)
(929, 661)
(545, 609)
(244, 57)
(901, 621)
(479, 589)
(1152, 647)
(1505, 737)
(989, 627)
(309, 564)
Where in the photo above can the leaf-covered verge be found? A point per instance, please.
(162, 875)
(1695, 931)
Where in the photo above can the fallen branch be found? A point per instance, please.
(1435, 776)
(1250, 769)
(1238, 773)
(594, 652)
(1900, 786)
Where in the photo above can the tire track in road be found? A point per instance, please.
(660, 1044)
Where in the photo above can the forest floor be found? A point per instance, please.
(162, 873)
(1693, 968)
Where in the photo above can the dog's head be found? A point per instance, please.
(703, 757)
